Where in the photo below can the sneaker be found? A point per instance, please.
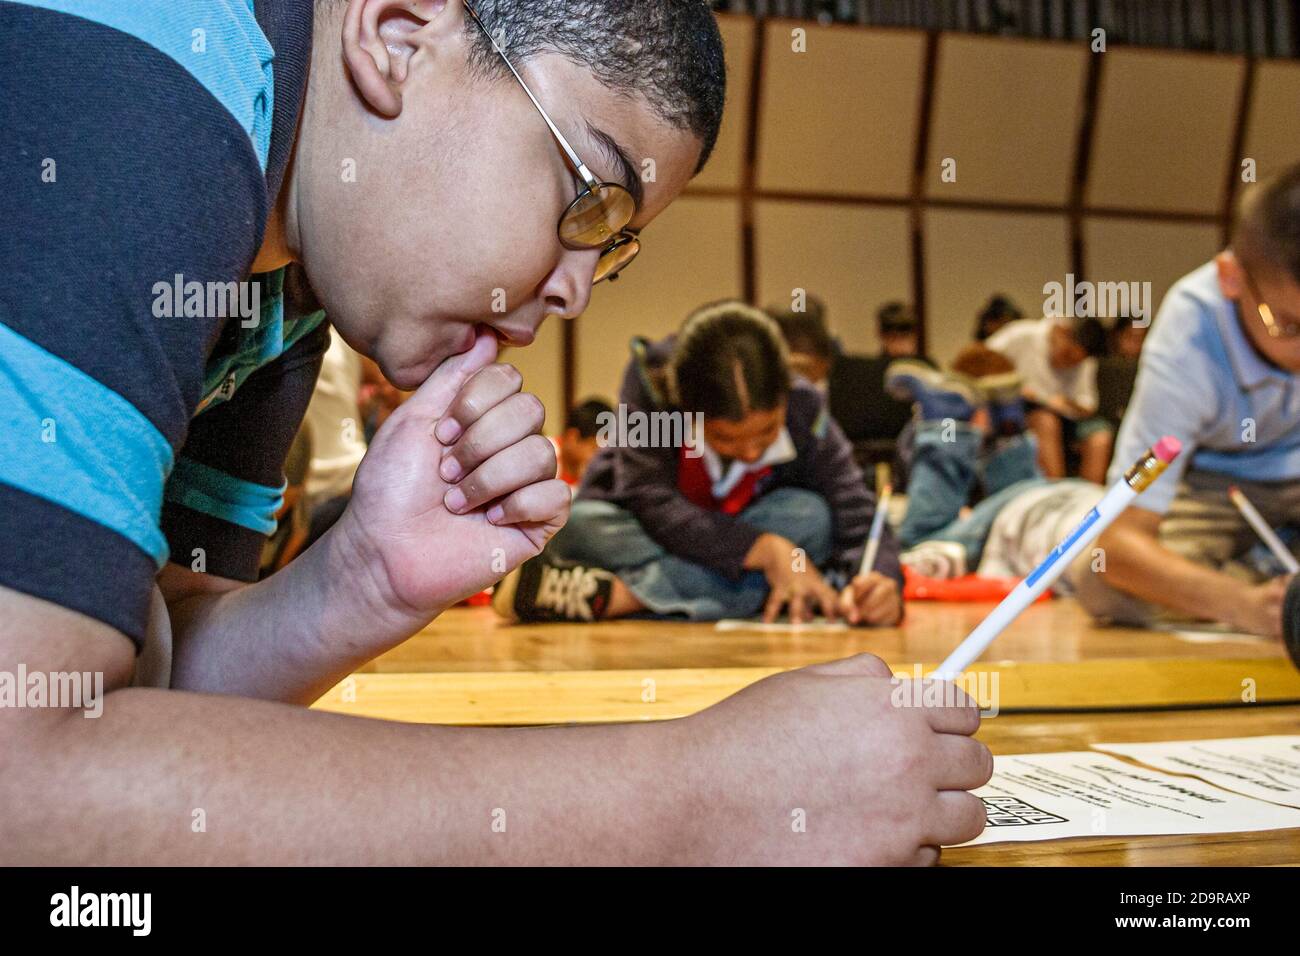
(547, 589)
(936, 559)
(937, 395)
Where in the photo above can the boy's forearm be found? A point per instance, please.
(1139, 565)
(164, 777)
(293, 635)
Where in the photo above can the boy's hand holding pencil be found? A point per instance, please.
(871, 598)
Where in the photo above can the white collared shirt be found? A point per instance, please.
(722, 481)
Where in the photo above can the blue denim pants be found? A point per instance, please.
(943, 473)
(603, 535)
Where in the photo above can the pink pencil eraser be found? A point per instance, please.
(1167, 448)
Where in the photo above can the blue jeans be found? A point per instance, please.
(603, 535)
(943, 473)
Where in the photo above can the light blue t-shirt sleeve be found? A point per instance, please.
(1175, 394)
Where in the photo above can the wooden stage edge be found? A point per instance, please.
(519, 698)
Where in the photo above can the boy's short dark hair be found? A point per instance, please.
(806, 332)
(999, 308)
(729, 360)
(896, 318)
(585, 416)
(1091, 336)
(1267, 233)
(669, 51)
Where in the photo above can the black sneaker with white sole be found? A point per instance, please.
(547, 589)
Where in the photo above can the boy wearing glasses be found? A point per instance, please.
(436, 177)
(1220, 370)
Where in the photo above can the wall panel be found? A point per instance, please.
(854, 258)
(1008, 113)
(842, 116)
(971, 255)
(1137, 250)
(1164, 130)
(1273, 127)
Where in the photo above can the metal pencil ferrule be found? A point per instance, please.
(1147, 470)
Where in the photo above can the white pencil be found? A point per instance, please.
(1117, 498)
(877, 529)
(1266, 534)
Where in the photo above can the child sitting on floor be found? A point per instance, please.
(761, 508)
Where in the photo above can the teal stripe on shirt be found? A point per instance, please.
(257, 347)
(219, 42)
(211, 491)
(69, 439)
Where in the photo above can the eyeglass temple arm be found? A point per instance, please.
(578, 164)
(1265, 313)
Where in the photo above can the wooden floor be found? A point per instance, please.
(473, 639)
(1061, 683)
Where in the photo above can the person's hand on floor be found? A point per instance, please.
(793, 580)
(458, 487)
(872, 599)
(833, 764)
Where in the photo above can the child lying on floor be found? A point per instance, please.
(970, 429)
(763, 509)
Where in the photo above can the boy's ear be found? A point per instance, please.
(380, 37)
(1231, 281)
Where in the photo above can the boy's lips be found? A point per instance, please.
(518, 339)
(522, 339)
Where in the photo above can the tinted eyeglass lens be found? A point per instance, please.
(596, 216)
(614, 259)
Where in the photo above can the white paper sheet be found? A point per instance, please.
(1267, 768)
(817, 625)
(1051, 796)
(1204, 632)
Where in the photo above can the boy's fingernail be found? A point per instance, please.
(496, 513)
(454, 499)
(450, 469)
(448, 431)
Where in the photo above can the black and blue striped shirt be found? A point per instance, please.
(142, 145)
